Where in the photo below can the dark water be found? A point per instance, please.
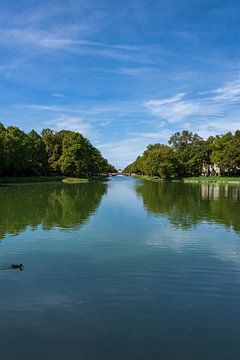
(120, 270)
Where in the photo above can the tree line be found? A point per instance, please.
(51, 153)
(188, 154)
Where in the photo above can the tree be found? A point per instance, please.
(37, 159)
(72, 161)
(160, 160)
(16, 151)
(53, 153)
(3, 156)
(220, 148)
(230, 160)
(70, 153)
(157, 160)
(188, 155)
(192, 152)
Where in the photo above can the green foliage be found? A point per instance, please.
(232, 155)
(188, 155)
(157, 160)
(37, 158)
(160, 160)
(16, 149)
(192, 152)
(3, 157)
(63, 153)
(220, 148)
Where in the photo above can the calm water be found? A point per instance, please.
(120, 270)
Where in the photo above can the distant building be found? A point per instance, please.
(210, 170)
(214, 170)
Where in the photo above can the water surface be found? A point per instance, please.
(125, 269)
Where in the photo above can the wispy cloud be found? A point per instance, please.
(107, 111)
(162, 135)
(74, 124)
(40, 39)
(55, 39)
(51, 29)
(166, 101)
(123, 152)
(136, 71)
(229, 92)
(77, 39)
(174, 108)
(215, 127)
(206, 113)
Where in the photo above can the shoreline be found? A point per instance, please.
(193, 180)
(46, 179)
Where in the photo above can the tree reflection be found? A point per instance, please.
(49, 205)
(189, 204)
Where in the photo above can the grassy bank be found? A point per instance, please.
(75, 180)
(41, 179)
(28, 179)
(147, 177)
(212, 179)
(218, 179)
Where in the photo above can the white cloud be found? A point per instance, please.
(37, 38)
(98, 111)
(74, 124)
(135, 71)
(123, 152)
(216, 127)
(229, 92)
(51, 28)
(166, 101)
(174, 108)
(206, 113)
(162, 136)
(58, 39)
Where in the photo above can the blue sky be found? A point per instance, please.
(125, 73)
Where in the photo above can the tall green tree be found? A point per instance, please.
(16, 151)
(158, 160)
(3, 156)
(230, 159)
(70, 153)
(192, 152)
(220, 147)
(53, 153)
(37, 159)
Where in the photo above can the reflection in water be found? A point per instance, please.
(189, 204)
(51, 205)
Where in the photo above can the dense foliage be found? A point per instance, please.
(189, 155)
(51, 153)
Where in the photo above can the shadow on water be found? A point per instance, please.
(49, 205)
(189, 204)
